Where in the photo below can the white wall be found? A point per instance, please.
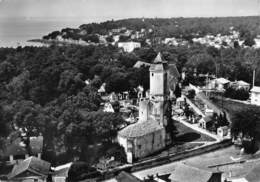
(156, 83)
(255, 98)
(149, 144)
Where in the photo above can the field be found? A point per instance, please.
(186, 134)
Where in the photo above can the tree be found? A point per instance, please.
(117, 82)
(191, 94)
(20, 85)
(244, 122)
(249, 41)
(80, 171)
(177, 91)
(7, 71)
(32, 120)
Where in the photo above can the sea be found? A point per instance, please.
(16, 32)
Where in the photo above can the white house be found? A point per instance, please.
(219, 84)
(108, 107)
(129, 46)
(255, 95)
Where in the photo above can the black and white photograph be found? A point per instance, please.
(129, 90)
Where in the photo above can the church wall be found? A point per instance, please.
(156, 83)
(144, 110)
(127, 147)
(149, 144)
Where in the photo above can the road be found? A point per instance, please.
(219, 157)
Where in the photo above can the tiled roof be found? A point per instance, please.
(140, 128)
(174, 71)
(33, 164)
(126, 177)
(185, 173)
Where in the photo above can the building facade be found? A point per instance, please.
(150, 134)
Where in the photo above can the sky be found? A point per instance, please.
(100, 10)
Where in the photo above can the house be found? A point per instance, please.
(30, 170)
(255, 95)
(126, 177)
(108, 107)
(149, 134)
(223, 131)
(15, 149)
(102, 89)
(113, 97)
(105, 164)
(219, 84)
(129, 46)
(240, 85)
(139, 64)
(180, 102)
(205, 122)
(60, 173)
(186, 173)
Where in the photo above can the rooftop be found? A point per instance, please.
(139, 64)
(33, 164)
(241, 82)
(140, 129)
(184, 173)
(159, 58)
(126, 177)
(222, 80)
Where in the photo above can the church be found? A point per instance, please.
(151, 133)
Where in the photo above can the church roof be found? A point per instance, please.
(159, 58)
(140, 129)
(174, 71)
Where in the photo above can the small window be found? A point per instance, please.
(152, 74)
(139, 146)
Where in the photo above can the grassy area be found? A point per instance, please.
(186, 134)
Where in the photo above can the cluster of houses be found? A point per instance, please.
(172, 41)
(219, 40)
(221, 84)
(114, 35)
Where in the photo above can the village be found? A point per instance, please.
(167, 121)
